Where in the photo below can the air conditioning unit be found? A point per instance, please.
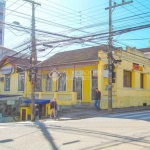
(2, 79)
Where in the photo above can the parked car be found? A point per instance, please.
(1, 118)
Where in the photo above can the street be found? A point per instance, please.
(74, 75)
(116, 131)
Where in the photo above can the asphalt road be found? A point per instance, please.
(124, 131)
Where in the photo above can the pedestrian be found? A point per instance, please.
(53, 107)
(97, 99)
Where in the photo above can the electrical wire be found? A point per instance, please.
(15, 9)
(142, 5)
(12, 4)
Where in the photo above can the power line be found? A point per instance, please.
(142, 5)
(132, 39)
(14, 33)
(94, 15)
(131, 11)
(12, 4)
(27, 7)
(45, 20)
(90, 35)
(15, 9)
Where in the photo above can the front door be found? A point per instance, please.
(77, 83)
(23, 114)
(78, 87)
(94, 83)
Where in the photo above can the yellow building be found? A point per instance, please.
(72, 77)
(83, 70)
(12, 84)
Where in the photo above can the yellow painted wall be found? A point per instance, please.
(28, 112)
(122, 96)
(86, 82)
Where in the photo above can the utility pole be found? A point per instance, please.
(33, 61)
(110, 56)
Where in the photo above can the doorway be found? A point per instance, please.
(78, 87)
(94, 83)
(23, 114)
(42, 110)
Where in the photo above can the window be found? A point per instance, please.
(7, 83)
(127, 78)
(38, 83)
(48, 84)
(62, 82)
(141, 81)
(21, 78)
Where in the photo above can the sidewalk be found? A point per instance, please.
(82, 114)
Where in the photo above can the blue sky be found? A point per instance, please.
(64, 16)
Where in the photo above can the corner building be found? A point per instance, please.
(81, 71)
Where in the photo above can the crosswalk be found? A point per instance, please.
(138, 115)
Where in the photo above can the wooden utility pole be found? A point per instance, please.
(33, 61)
(110, 60)
(110, 56)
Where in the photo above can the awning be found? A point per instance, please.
(37, 101)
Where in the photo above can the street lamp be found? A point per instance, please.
(18, 24)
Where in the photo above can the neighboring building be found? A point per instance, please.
(146, 52)
(2, 18)
(8, 52)
(72, 77)
(12, 83)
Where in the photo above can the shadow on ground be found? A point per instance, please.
(46, 134)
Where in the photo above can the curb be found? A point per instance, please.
(67, 119)
(115, 112)
(132, 110)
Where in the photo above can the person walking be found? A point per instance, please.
(53, 107)
(97, 99)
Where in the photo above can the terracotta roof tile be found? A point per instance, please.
(144, 50)
(17, 61)
(78, 55)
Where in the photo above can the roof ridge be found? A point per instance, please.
(84, 54)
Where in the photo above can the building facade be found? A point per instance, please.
(12, 84)
(84, 70)
(72, 77)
